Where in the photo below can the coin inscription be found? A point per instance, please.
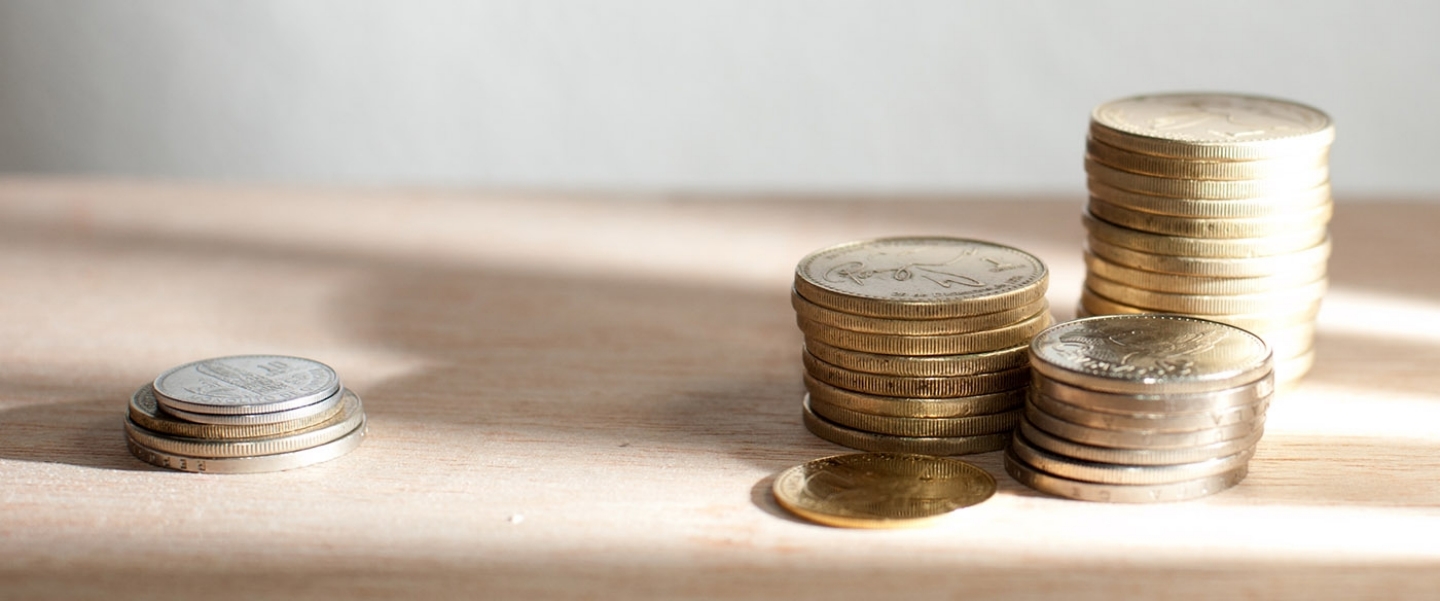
(921, 268)
(881, 490)
(1151, 348)
(1211, 118)
(225, 383)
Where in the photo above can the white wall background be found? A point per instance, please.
(772, 95)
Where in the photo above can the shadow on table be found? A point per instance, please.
(85, 433)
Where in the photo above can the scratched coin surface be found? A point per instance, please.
(1212, 126)
(921, 278)
(246, 384)
(1149, 353)
(881, 490)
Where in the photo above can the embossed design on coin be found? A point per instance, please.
(881, 490)
(1129, 353)
(246, 384)
(1211, 118)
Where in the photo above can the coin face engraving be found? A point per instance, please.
(881, 489)
(1137, 352)
(921, 268)
(1151, 350)
(248, 380)
(1211, 118)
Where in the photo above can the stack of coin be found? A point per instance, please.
(1213, 206)
(1142, 408)
(244, 414)
(918, 345)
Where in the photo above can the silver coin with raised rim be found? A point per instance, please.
(243, 384)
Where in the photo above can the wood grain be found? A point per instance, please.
(586, 396)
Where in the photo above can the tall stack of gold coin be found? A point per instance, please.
(918, 345)
(1215, 206)
(1142, 409)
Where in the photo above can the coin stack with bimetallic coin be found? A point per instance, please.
(1215, 206)
(244, 414)
(918, 345)
(1142, 409)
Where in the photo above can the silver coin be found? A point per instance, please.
(256, 419)
(1198, 402)
(319, 434)
(1106, 473)
(245, 384)
(1120, 493)
(145, 412)
(1061, 446)
(250, 465)
(1137, 439)
(1149, 422)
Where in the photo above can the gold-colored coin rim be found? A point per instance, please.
(1123, 475)
(1210, 266)
(964, 406)
(250, 465)
(1204, 228)
(145, 411)
(1190, 284)
(1260, 206)
(1133, 439)
(1105, 130)
(789, 485)
(1156, 422)
(1068, 448)
(1120, 493)
(922, 366)
(1217, 248)
(1203, 169)
(1248, 393)
(318, 435)
(915, 387)
(1293, 183)
(884, 443)
(1273, 301)
(1097, 305)
(974, 425)
(949, 344)
(812, 312)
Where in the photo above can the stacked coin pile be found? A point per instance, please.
(244, 414)
(1214, 206)
(1141, 408)
(918, 345)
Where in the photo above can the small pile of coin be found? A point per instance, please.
(244, 414)
(1142, 409)
(918, 345)
(1213, 206)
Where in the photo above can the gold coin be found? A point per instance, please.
(1105, 473)
(1212, 126)
(1142, 354)
(1149, 164)
(1194, 227)
(881, 490)
(1134, 439)
(320, 434)
(809, 311)
(965, 406)
(1156, 422)
(1273, 301)
(1289, 342)
(916, 387)
(1189, 284)
(885, 443)
(1060, 446)
(974, 425)
(1211, 266)
(1279, 185)
(1289, 372)
(1226, 248)
(921, 278)
(1264, 206)
(1095, 304)
(944, 344)
(145, 412)
(937, 365)
(1120, 493)
(1249, 393)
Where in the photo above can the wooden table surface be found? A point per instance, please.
(587, 396)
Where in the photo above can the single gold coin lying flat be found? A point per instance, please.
(903, 386)
(881, 490)
(965, 406)
(1222, 267)
(1149, 164)
(1159, 402)
(1149, 422)
(1194, 227)
(921, 278)
(1212, 126)
(1290, 183)
(974, 425)
(1226, 248)
(942, 344)
(145, 412)
(1066, 448)
(1189, 284)
(808, 311)
(1272, 301)
(922, 366)
(1120, 493)
(885, 443)
(1094, 304)
(1241, 208)
(1106, 473)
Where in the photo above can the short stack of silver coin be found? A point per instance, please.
(1142, 408)
(244, 414)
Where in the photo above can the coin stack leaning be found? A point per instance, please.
(244, 414)
(1142, 409)
(1213, 206)
(918, 345)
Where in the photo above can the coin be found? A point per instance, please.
(1113, 493)
(973, 425)
(1290, 183)
(1135, 439)
(881, 490)
(1227, 228)
(808, 311)
(1149, 164)
(1259, 266)
(1095, 304)
(1273, 301)
(1212, 126)
(884, 443)
(909, 365)
(245, 384)
(1149, 353)
(1187, 284)
(905, 386)
(1289, 371)
(246, 465)
(942, 344)
(1106, 473)
(921, 278)
(1158, 402)
(1149, 422)
(1067, 448)
(964, 406)
(146, 413)
(1261, 206)
(325, 432)
(1295, 241)
(258, 419)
